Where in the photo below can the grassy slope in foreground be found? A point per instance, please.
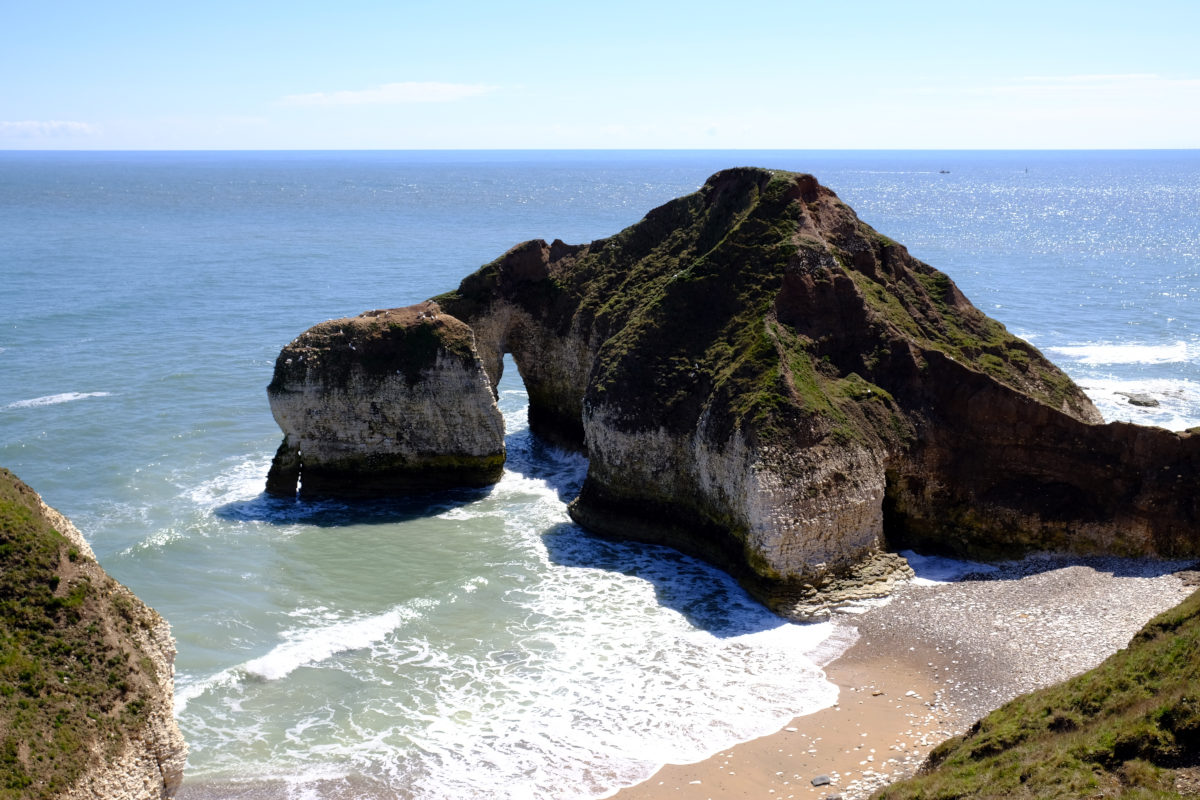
(71, 684)
(1124, 729)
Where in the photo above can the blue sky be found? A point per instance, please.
(614, 74)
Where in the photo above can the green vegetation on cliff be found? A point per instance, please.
(763, 380)
(70, 683)
(398, 341)
(758, 312)
(761, 295)
(1129, 728)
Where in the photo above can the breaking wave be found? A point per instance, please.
(1100, 353)
(55, 399)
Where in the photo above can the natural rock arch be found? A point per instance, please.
(760, 379)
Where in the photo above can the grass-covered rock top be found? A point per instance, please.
(396, 341)
(762, 291)
(73, 682)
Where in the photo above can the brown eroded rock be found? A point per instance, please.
(761, 379)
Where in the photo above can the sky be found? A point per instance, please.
(736, 74)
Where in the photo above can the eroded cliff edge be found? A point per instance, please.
(87, 672)
(761, 379)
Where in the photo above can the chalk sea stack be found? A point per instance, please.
(86, 669)
(760, 379)
(384, 403)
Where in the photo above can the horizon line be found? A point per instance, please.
(593, 149)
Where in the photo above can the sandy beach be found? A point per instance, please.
(926, 665)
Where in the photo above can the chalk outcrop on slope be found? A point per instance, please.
(88, 670)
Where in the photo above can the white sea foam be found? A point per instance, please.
(187, 690)
(1178, 401)
(240, 479)
(303, 646)
(589, 701)
(55, 399)
(936, 569)
(474, 584)
(579, 666)
(561, 665)
(629, 658)
(1099, 353)
(156, 540)
(312, 645)
(466, 513)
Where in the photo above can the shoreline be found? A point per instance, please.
(877, 730)
(927, 665)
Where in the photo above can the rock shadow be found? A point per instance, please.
(531, 456)
(335, 512)
(708, 598)
(952, 570)
(528, 456)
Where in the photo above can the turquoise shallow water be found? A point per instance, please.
(476, 643)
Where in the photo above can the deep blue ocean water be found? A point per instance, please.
(476, 644)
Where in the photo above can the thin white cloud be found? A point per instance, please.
(391, 94)
(45, 129)
(1075, 85)
(1095, 78)
(1081, 110)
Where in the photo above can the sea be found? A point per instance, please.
(477, 643)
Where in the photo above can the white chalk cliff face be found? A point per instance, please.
(151, 763)
(363, 406)
(762, 380)
(778, 519)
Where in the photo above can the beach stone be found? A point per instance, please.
(821, 780)
(1139, 399)
(1190, 576)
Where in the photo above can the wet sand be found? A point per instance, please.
(926, 666)
(886, 722)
